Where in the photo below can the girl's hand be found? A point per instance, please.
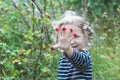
(64, 39)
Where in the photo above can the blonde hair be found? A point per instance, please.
(70, 17)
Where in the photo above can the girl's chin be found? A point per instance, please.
(76, 47)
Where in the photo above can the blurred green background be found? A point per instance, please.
(26, 35)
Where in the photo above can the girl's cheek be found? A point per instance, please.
(78, 40)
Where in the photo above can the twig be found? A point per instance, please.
(24, 19)
(41, 41)
(60, 6)
(45, 5)
(53, 12)
(40, 10)
(33, 16)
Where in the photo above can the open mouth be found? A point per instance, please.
(74, 46)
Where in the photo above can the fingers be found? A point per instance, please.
(57, 29)
(73, 36)
(70, 32)
(60, 32)
(63, 31)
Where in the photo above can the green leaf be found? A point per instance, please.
(14, 73)
(27, 51)
(46, 21)
(29, 37)
(6, 27)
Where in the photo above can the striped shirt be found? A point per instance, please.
(77, 67)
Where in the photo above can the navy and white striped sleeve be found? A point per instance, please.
(80, 59)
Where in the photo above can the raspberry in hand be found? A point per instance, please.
(75, 35)
(71, 30)
(57, 29)
(64, 29)
(52, 48)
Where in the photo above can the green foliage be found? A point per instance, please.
(24, 42)
(26, 35)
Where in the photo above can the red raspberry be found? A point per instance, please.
(71, 30)
(57, 29)
(64, 29)
(75, 35)
(52, 48)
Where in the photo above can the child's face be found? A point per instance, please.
(79, 41)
